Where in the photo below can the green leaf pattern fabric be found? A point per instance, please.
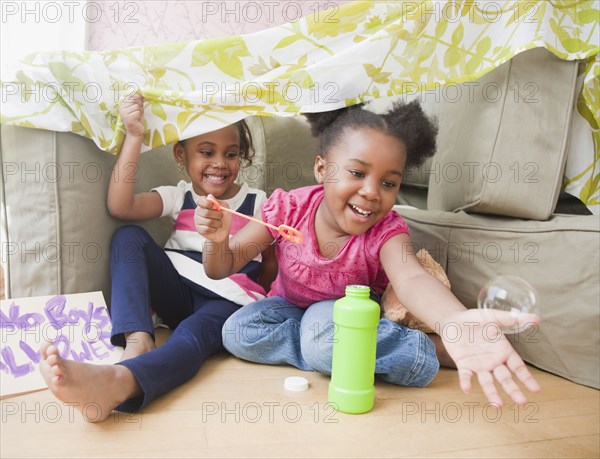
(330, 59)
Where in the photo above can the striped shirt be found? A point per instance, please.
(184, 247)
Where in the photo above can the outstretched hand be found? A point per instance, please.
(480, 348)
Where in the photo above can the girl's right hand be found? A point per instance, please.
(213, 224)
(132, 114)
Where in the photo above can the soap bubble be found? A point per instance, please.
(512, 294)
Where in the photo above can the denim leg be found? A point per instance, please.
(404, 356)
(267, 331)
(193, 340)
(142, 277)
(317, 336)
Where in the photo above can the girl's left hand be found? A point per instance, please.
(480, 348)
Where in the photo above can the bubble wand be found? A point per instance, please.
(287, 232)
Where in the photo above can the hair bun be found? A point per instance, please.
(319, 122)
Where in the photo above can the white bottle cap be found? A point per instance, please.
(295, 383)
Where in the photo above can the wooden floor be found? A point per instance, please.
(238, 409)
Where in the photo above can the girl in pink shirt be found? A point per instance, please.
(352, 236)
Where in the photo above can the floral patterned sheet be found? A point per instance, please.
(340, 56)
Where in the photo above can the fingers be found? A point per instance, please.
(134, 111)
(44, 349)
(511, 320)
(204, 215)
(208, 203)
(517, 366)
(486, 381)
(134, 99)
(464, 379)
(207, 220)
(132, 107)
(504, 377)
(132, 114)
(213, 202)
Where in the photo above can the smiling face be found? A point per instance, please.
(361, 174)
(212, 161)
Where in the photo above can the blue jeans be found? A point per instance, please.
(143, 277)
(273, 331)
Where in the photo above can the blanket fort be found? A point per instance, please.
(78, 324)
(356, 52)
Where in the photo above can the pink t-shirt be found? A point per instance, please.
(305, 276)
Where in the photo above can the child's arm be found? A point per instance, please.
(477, 345)
(121, 200)
(223, 256)
(268, 268)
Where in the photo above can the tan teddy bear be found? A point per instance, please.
(393, 309)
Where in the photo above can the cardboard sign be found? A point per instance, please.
(78, 324)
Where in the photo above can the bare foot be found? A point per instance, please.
(137, 343)
(440, 350)
(95, 390)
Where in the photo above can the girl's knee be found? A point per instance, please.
(316, 343)
(231, 335)
(317, 356)
(317, 336)
(242, 330)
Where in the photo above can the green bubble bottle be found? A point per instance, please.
(356, 317)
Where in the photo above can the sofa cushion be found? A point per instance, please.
(502, 142)
(56, 230)
(285, 153)
(559, 257)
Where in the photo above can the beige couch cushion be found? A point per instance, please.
(285, 152)
(501, 145)
(56, 230)
(559, 257)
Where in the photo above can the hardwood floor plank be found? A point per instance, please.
(575, 447)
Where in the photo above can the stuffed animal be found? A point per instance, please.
(393, 309)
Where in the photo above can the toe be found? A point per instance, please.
(57, 370)
(52, 360)
(44, 349)
(51, 350)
